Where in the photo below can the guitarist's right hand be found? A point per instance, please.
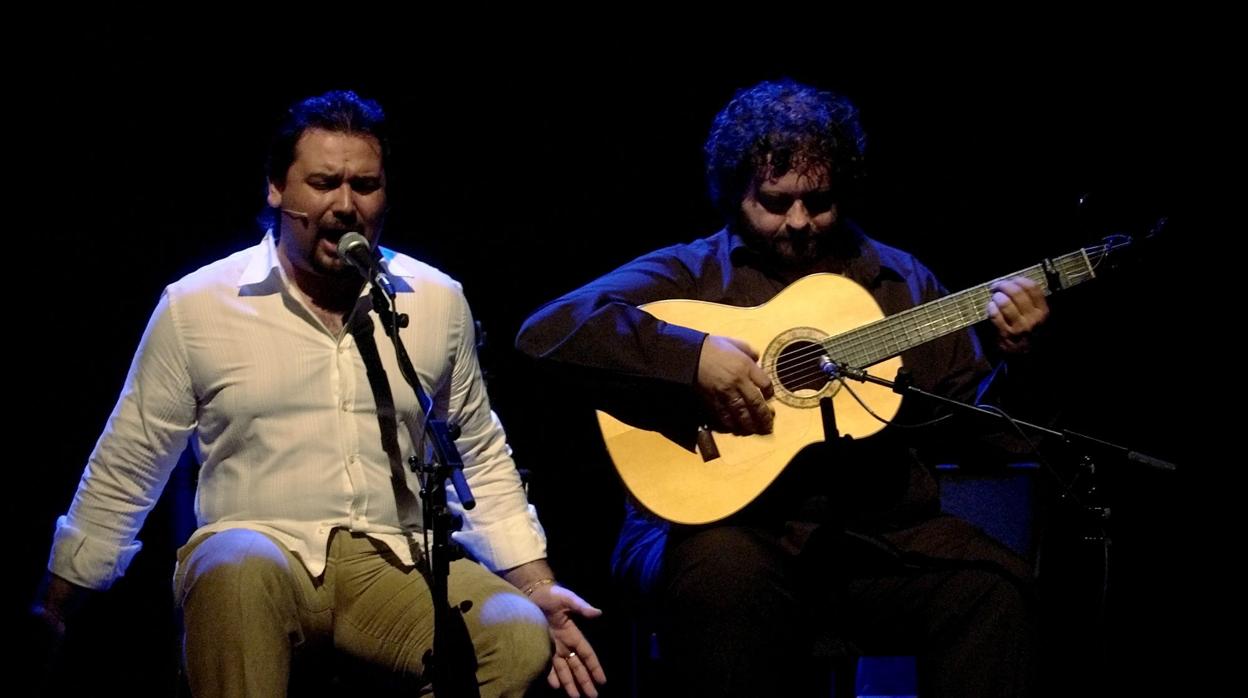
(734, 387)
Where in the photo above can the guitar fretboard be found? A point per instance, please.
(883, 339)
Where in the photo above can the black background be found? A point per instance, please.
(527, 163)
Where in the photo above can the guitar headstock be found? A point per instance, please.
(1119, 249)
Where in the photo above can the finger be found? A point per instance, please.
(583, 679)
(997, 318)
(1033, 289)
(564, 672)
(590, 659)
(1009, 311)
(1010, 287)
(1023, 294)
(751, 411)
(744, 347)
(723, 423)
(760, 380)
(585, 610)
(575, 604)
(1028, 296)
(1041, 303)
(741, 418)
(760, 414)
(1035, 294)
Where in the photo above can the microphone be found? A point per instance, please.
(355, 250)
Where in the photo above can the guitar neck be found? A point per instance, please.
(886, 338)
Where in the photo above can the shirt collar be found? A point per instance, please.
(262, 262)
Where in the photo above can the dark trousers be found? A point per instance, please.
(745, 611)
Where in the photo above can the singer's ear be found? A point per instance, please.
(275, 195)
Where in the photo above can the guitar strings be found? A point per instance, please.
(884, 327)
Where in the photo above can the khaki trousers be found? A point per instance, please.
(248, 604)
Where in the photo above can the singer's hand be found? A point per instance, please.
(733, 386)
(57, 601)
(575, 666)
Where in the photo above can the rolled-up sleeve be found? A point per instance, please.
(502, 531)
(131, 463)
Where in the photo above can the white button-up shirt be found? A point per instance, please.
(286, 425)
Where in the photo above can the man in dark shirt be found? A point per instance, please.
(848, 543)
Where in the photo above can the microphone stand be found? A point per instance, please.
(904, 385)
(452, 665)
(1092, 517)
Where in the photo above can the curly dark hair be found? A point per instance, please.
(339, 111)
(774, 127)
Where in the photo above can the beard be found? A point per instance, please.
(796, 248)
(789, 249)
(329, 263)
(804, 249)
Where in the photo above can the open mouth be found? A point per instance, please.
(329, 245)
(333, 234)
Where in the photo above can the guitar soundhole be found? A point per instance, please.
(797, 367)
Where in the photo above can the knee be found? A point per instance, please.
(1002, 601)
(513, 643)
(238, 571)
(1014, 602)
(729, 570)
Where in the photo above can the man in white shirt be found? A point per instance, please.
(310, 534)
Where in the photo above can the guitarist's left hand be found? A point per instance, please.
(1017, 308)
